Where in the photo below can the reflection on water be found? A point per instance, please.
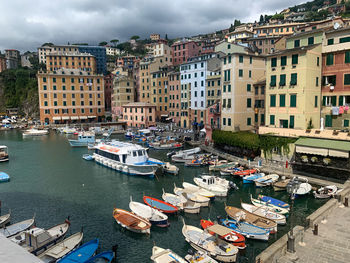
(50, 179)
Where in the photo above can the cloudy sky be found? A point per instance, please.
(26, 24)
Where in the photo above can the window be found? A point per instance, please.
(295, 59)
(347, 57)
(273, 81)
(282, 100)
(272, 119)
(283, 80)
(256, 117)
(297, 43)
(329, 59)
(54, 80)
(328, 121)
(293, 100)
(249, 121)
(310, 41)
(240, 59)
(272, 100)
(273, 62)
(316, 81)
(223, 121)
(318, 61)
(45, 103)
(346, 79)
(330, 41)
(229, 59)
(229, 121)
(249, 87)
(44, 87)
(44, 79)
(344, 39)
(346, 123)
(250, 60)
(283, 60)
(291, 121)
(341, 100)
(228, 88)
(293, 79)
(240, 72)
(250, 73)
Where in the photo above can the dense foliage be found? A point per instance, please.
(312, 5)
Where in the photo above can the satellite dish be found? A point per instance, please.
(336, 25)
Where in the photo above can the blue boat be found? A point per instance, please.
(82, 254)
(104, 257)
(273, 201)
(84, 138)
(248, 179)
(4, 177)
(88, 157)
(248, 230)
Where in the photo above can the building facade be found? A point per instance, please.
(139, 114)
(183, 50)
(108, 80)
(175, 96)
(259, 103)
(13, 58)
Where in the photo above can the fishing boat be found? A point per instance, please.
(4, 177)
(266, 180)
(229, 170)
(202, 241)
(243, 173)
(199, 257)
(273, 201)
(128, 158)
(61, 248)
(160, 205)
(195, 162)
(239, 215)
(82, 253)
(210, 183)
(155, 217)
(129, 134)
(4, 153)
(35, 132)
(161, 255)
(185, 155)
(281, 185)
(170, 168)
(84, 138)
(14, 229)
(192, 195)
(175, 200)
(269, 206)
(261, 211)
(246, 229)
(224, 233)
(104, 257)
(191, 207)
(166, 146)
(249, 179)
(5, 219)
(325, 192)
(201, 191)
(299, 186)
(37, 240)
(131, 221)
(88, 157)
(220, 166)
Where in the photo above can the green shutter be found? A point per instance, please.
(334, 100)
(346, 123)
(341, 100)
(347, 57)
(324, 98)
(249, 87)
(249, 103)
(346, 79)
(240, 59)
(293, 100)
(283, 80)
(329, 59)
(283, 60)
(295, 59)
(310, 41)
(297, 43)
(316, 101)
(344, 40)
(240, 73)
(330, 41)
(272, 119)
(262, 119)
(282, 100)
(273, 81)
(294, 79)
(272, 100)
(291, 121)
(273, 62)
(256, 117)
(328, 121)
(249, 121)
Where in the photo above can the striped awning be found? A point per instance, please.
(83, 117)
(311, 150)
(74, 118)
(91, 117)
(65, 118)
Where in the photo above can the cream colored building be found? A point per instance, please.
(238, 74)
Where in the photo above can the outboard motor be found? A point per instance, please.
(190, 252)
(233, 185)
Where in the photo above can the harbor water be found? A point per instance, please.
(49, 179)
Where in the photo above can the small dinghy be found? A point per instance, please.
(266, 180)
(88, 157)
(224, 233)
(62, 248)
(175, 200)
(199, 190)
(4, 177)
(326, 192)
(299, 186)
(170, 168)
(260, 211)
(160, 205)
(191, 207)
(82, 253)
(14, 229)
(245, 172)
(273, 201)
(199, 257)
(193, 196)
(269, 206)
(202, 241)
(281, 185)
(218, 186)
(104, 257)
(161, 255)
(249, 179)
(131, 221)
(250, 218)
(245, 229)
(5, 219)
(228, 170)
(156, 217)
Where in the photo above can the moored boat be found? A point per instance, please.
(160, 205)
(35, 132)
(248, 179)
(88, 157)
(273, 201)
(4, 177)
(82, 253)
(325, 192)
(260, 211)
(186, 155)
(199, 190)
(4, 154)
(16, 228)
(266, 180)
(191, 207)
(212, 184)
(281, 185)
(5, 219)
(269, 206)
(299, 186)
(161, 255)
(175, 200)
(170, 168)
(104, 257)
(243, 173)
(199, 257)
(131, 221)
(84, 138)
(219, 166)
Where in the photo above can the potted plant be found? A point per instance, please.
(304, 159)
(314, 159)
(326, 161)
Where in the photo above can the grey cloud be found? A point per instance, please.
(25, 25)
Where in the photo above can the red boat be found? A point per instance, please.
(245, 172)
(224, 233)
(160, 205)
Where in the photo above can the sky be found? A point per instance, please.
(27, 24)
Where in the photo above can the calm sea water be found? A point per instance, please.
(52, 181)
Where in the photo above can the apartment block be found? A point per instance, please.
(81, 61)
(278, 29)
(13, 58)
(259, 103)
(139, 114)
(160, 92)
(175, 96)
(183, 50)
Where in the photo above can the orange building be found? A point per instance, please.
(81, 61)
(139, 114)
(276, 29)
(175, 96)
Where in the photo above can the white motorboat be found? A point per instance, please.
(35, 132)
(175, 200)
(126, 158)
(4, 153)
(185, 155)
(202, 241)
(84, 139)
(199, 190)
(191, 207)
(193, 196)
(154, 216)
(261, 211)
(199, 257)
(216, 185)
(266, 180)
(62, 248)
(170, 168)
(326, 192)
(161, 255)
(299, 186)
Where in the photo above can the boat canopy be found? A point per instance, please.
(3, 147)
(219, 229)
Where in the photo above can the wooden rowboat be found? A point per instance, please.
(260, 211)
(160, 205)
(281, 185)
(131, 221)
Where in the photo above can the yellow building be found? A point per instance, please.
(70, 95)
(81, 61)
(293, 88)
(213, 87)
(159, 93)
(238, 74)
(277, 29)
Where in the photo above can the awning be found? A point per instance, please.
(203, 130)
(65, 118)
(91, 117)
(219, 229)
(337, 153)
(164, 115)
(311, 150)
(74, 118)
(83, 117)
(56, 118)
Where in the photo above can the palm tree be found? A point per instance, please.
(114, 42)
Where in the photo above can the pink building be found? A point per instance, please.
(182, 50)
(108, 91)
(213, 119)
(139, 114)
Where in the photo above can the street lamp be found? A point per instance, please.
(291, 238)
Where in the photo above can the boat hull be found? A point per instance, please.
(229, 258)
(251, 235)
(77, 143)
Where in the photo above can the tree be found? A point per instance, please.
(237, 23)
(103, 43)
(261, 19)
(231, 29)
(166, 36)
(47, 44)
(135, 37)
(114, 42)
